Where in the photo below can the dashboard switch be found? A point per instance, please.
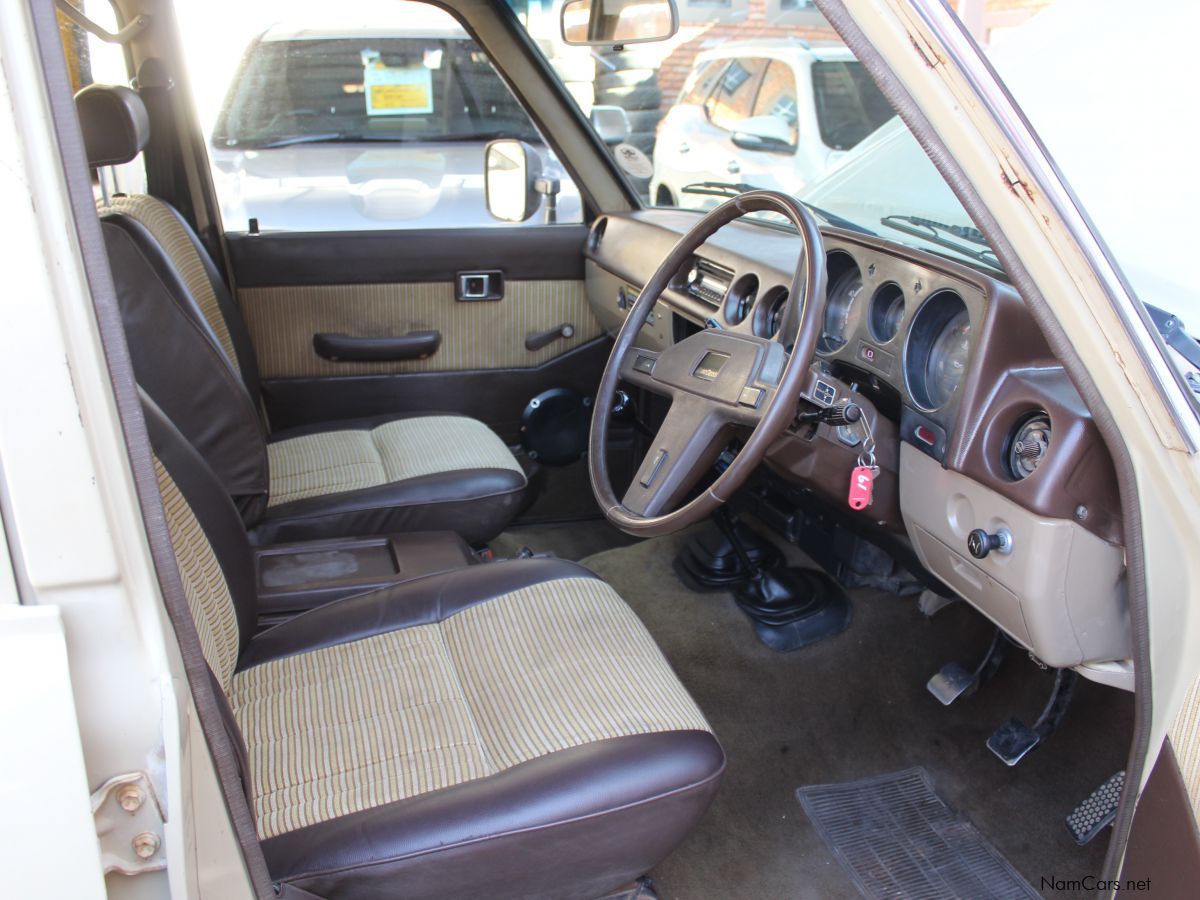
(648, 479)
(751, 397)
(980, 543)
(925, 435)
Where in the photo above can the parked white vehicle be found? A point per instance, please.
(748, 105)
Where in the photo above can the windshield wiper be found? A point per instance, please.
(718, 188)
(932, 231)
(732, 189)
(325, 137)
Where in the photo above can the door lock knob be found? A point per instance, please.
(980, 543)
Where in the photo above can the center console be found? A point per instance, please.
(296, 577)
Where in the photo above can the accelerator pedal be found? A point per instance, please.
(1097, 812)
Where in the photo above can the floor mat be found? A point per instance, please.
(896, 838)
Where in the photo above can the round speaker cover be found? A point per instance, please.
(554, 426)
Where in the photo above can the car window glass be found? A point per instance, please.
(849, 105)
(314, 124)
(777, 96)
(734, 96)
(701, 81)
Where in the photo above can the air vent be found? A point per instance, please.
(1028, 445)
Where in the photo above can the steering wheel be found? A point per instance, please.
(716, 380)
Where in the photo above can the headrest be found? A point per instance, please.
(114, 123)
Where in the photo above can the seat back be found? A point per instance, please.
(216, 562)
(190, 348)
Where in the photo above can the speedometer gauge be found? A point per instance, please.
(937, 350)
(948, 359)
(840, 311)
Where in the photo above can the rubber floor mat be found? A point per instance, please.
(896, 838)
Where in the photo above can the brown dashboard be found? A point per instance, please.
(976, 424)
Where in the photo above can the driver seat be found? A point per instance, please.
(503, 730)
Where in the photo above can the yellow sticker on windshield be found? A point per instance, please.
(396, 90)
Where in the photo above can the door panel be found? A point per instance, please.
(292, 287)
(475, 334)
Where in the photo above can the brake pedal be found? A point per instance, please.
(1098, 811)
(1013, 740)
(953, 681)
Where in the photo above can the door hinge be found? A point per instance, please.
(129, 823)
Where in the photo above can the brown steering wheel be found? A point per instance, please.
(716, 380)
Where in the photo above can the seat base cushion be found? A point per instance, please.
(508, 729)
(422, 473)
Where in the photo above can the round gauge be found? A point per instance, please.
(769, 314)
(845, 284)
(740, 299)
(948, 359)
(886, 312)
(938, 345)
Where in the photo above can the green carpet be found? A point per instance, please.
(852, 707)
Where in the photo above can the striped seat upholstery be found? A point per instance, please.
(330, 462)
(505, 729)
(406, 712)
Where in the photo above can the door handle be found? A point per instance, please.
(475, 286)
(684, 148)
(734, 167)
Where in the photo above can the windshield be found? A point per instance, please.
(292, 90)
(761, 95)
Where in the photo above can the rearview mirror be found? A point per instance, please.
(767, 134)
(611, 124)
(618, 22)
(511, 171)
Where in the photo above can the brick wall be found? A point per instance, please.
(754, 24)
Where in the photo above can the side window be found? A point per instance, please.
(777, 96)
(734, 97)
(376, 126)
(701, 81)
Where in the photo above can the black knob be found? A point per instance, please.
(980, 543)
(846, 414)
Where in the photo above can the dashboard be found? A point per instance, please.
(977, 428)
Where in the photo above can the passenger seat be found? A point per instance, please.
(192, 354)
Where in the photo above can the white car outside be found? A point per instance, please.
(772, 114)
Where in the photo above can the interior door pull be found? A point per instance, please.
(345, 348)
(475, 286)
(540, 339)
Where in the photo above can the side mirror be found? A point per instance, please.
(611, 124)
(596, 23)
(766, 134)
(511, 170)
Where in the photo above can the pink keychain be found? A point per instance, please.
(862, 479)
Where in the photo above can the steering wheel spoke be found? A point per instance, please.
(688, 440)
